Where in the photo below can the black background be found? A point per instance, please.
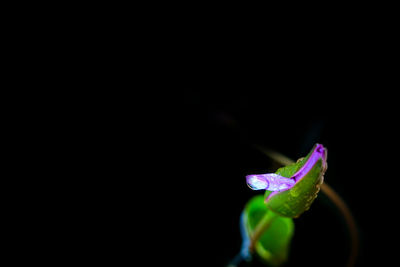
(168, 175)
(181, 174)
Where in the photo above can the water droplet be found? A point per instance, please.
(295, 192)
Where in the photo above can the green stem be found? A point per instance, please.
(261, 227)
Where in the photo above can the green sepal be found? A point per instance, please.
(293, 202)
(273, 246)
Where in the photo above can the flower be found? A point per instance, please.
(291, 190)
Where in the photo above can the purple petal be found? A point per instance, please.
(319, 153)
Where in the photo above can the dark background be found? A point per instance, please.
(197, 142)
(210, 138)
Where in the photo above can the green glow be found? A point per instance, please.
(273, 245)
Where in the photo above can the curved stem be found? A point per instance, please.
(351, 224)
(334, 197)
(261, 227)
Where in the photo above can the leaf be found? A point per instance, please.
(273, 245)
(292, 203)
